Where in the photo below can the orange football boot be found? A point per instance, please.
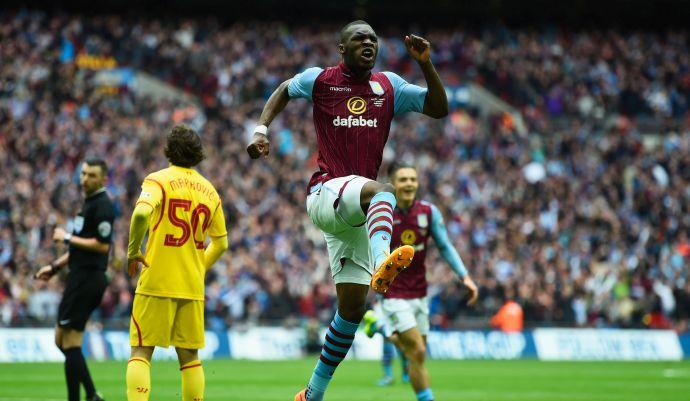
(396, 262)
(301, 396)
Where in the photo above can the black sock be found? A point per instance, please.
(78, 366)
(73, 372)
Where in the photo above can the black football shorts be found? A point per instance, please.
(83, 294)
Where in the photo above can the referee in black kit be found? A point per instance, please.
(87, 258)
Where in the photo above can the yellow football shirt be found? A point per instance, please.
(186, 208)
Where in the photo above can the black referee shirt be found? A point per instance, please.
(94, 221)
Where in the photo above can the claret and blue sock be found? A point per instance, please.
(339, 338)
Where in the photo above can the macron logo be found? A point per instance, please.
(351, 121)
(339, 89)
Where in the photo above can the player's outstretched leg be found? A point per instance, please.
(379, 201)
(139, 374)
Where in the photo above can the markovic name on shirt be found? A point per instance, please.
(194, 185)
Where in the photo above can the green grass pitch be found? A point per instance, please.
(526, 380)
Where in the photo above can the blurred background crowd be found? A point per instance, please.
(584, 219)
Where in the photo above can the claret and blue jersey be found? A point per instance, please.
(353, 117)
(414, 226)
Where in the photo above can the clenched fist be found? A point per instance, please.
(418, 47)
(260, 146)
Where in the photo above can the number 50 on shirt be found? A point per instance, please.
(177, 219)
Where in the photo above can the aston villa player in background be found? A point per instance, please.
(353, 110)
(405, 306)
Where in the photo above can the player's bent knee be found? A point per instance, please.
(387, 187)
(371, 188)
(417, 353)
(376, 187)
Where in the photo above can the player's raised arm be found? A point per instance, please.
(448, 252)
(300, 86)
(436, 102)
(260, 145)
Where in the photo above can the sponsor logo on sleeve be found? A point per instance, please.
(78, 224)
(104, 228)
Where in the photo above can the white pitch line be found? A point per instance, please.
(673, 373)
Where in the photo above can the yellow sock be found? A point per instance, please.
(138, 379)
(192, 381)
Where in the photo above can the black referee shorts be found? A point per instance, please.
(83, 293)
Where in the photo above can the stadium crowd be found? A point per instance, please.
(585, 225)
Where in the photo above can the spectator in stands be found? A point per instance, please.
(509, 318)
(604, 220)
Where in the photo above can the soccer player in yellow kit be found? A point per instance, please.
(179, 208)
